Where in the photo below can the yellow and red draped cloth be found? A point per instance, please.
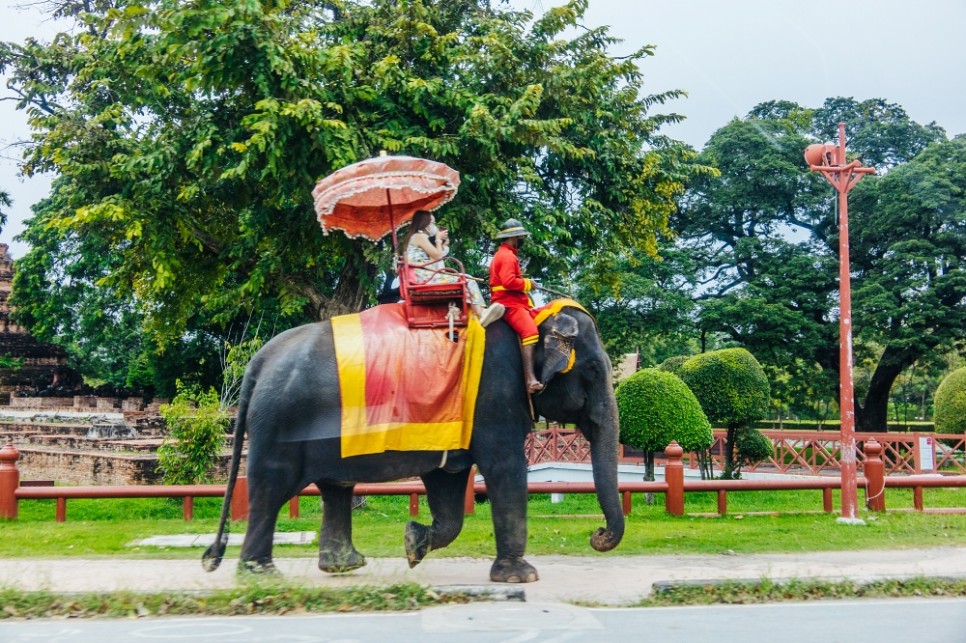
(405, 389)
(543, 312)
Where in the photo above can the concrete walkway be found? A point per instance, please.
(607, 579)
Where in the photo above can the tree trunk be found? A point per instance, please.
(352, 292)
(649, 475)
(729, 453)
(873, 416)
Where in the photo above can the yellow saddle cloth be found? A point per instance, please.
(405, 389)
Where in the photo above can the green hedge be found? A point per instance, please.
(730, 384)
(950, 403)
(656, 407)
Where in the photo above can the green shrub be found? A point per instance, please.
(674, 364)
(655, 408)
(730, 384)
(13, 363)
(733, 390)
(753, 446)
(950, 403)
(196, 433)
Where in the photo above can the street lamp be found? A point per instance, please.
(830, 161)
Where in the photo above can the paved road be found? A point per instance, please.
(892, 621)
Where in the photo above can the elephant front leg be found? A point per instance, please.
(506, 486)
(337, 554)
(444, 494)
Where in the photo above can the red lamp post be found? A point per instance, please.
(830, 161)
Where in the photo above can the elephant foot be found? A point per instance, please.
(418, 542)
(255, 568)
(331, 563)
(513, 570)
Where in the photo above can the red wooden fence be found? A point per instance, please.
(674, 487)
(796, 452)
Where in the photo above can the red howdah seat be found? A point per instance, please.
(428, 305)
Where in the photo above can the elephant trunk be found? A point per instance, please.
(603, 454)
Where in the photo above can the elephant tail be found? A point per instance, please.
(211, 559)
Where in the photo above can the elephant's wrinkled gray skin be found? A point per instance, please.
(290, 399)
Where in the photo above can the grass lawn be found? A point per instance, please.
(758, 522)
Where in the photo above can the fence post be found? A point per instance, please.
(414, 504)
(469, 498)
(239, 499)
(874, 470)
(674, 477)
(9, 481)
(188, 507)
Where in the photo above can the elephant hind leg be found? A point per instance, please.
(337, 554)
(268, 491)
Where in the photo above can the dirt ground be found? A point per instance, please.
(606, 579)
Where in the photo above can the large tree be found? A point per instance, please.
(187, 136)
(766, 240)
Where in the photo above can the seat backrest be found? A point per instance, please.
(427, 303)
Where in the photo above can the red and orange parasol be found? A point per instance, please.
(372, 198)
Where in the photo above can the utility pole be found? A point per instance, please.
(830, 161)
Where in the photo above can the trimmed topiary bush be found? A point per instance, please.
(656, 407)
(950, 403)
(733, 390)
(753, 446)
(674, 364)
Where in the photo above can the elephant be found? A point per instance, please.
(290, 388)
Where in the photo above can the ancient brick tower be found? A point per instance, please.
(27, 365)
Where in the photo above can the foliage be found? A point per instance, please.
(733, 390)
(196, 433)
(730, 385)
(655, 408)
(187, 138)
(234, 360)
(950, 400)
(764, 243)
(12, 363)
(752, 446)
(5, 202)
(674, 364)
(649, 311)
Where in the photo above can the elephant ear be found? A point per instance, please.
(558, 345)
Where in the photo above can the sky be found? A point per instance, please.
(728, 55)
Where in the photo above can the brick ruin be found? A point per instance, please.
(75, 440)
(29, 364)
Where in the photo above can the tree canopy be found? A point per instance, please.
(764, 241)
(186, 138)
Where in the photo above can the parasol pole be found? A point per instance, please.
(392, 224)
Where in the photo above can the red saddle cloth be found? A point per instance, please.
(405, 389)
